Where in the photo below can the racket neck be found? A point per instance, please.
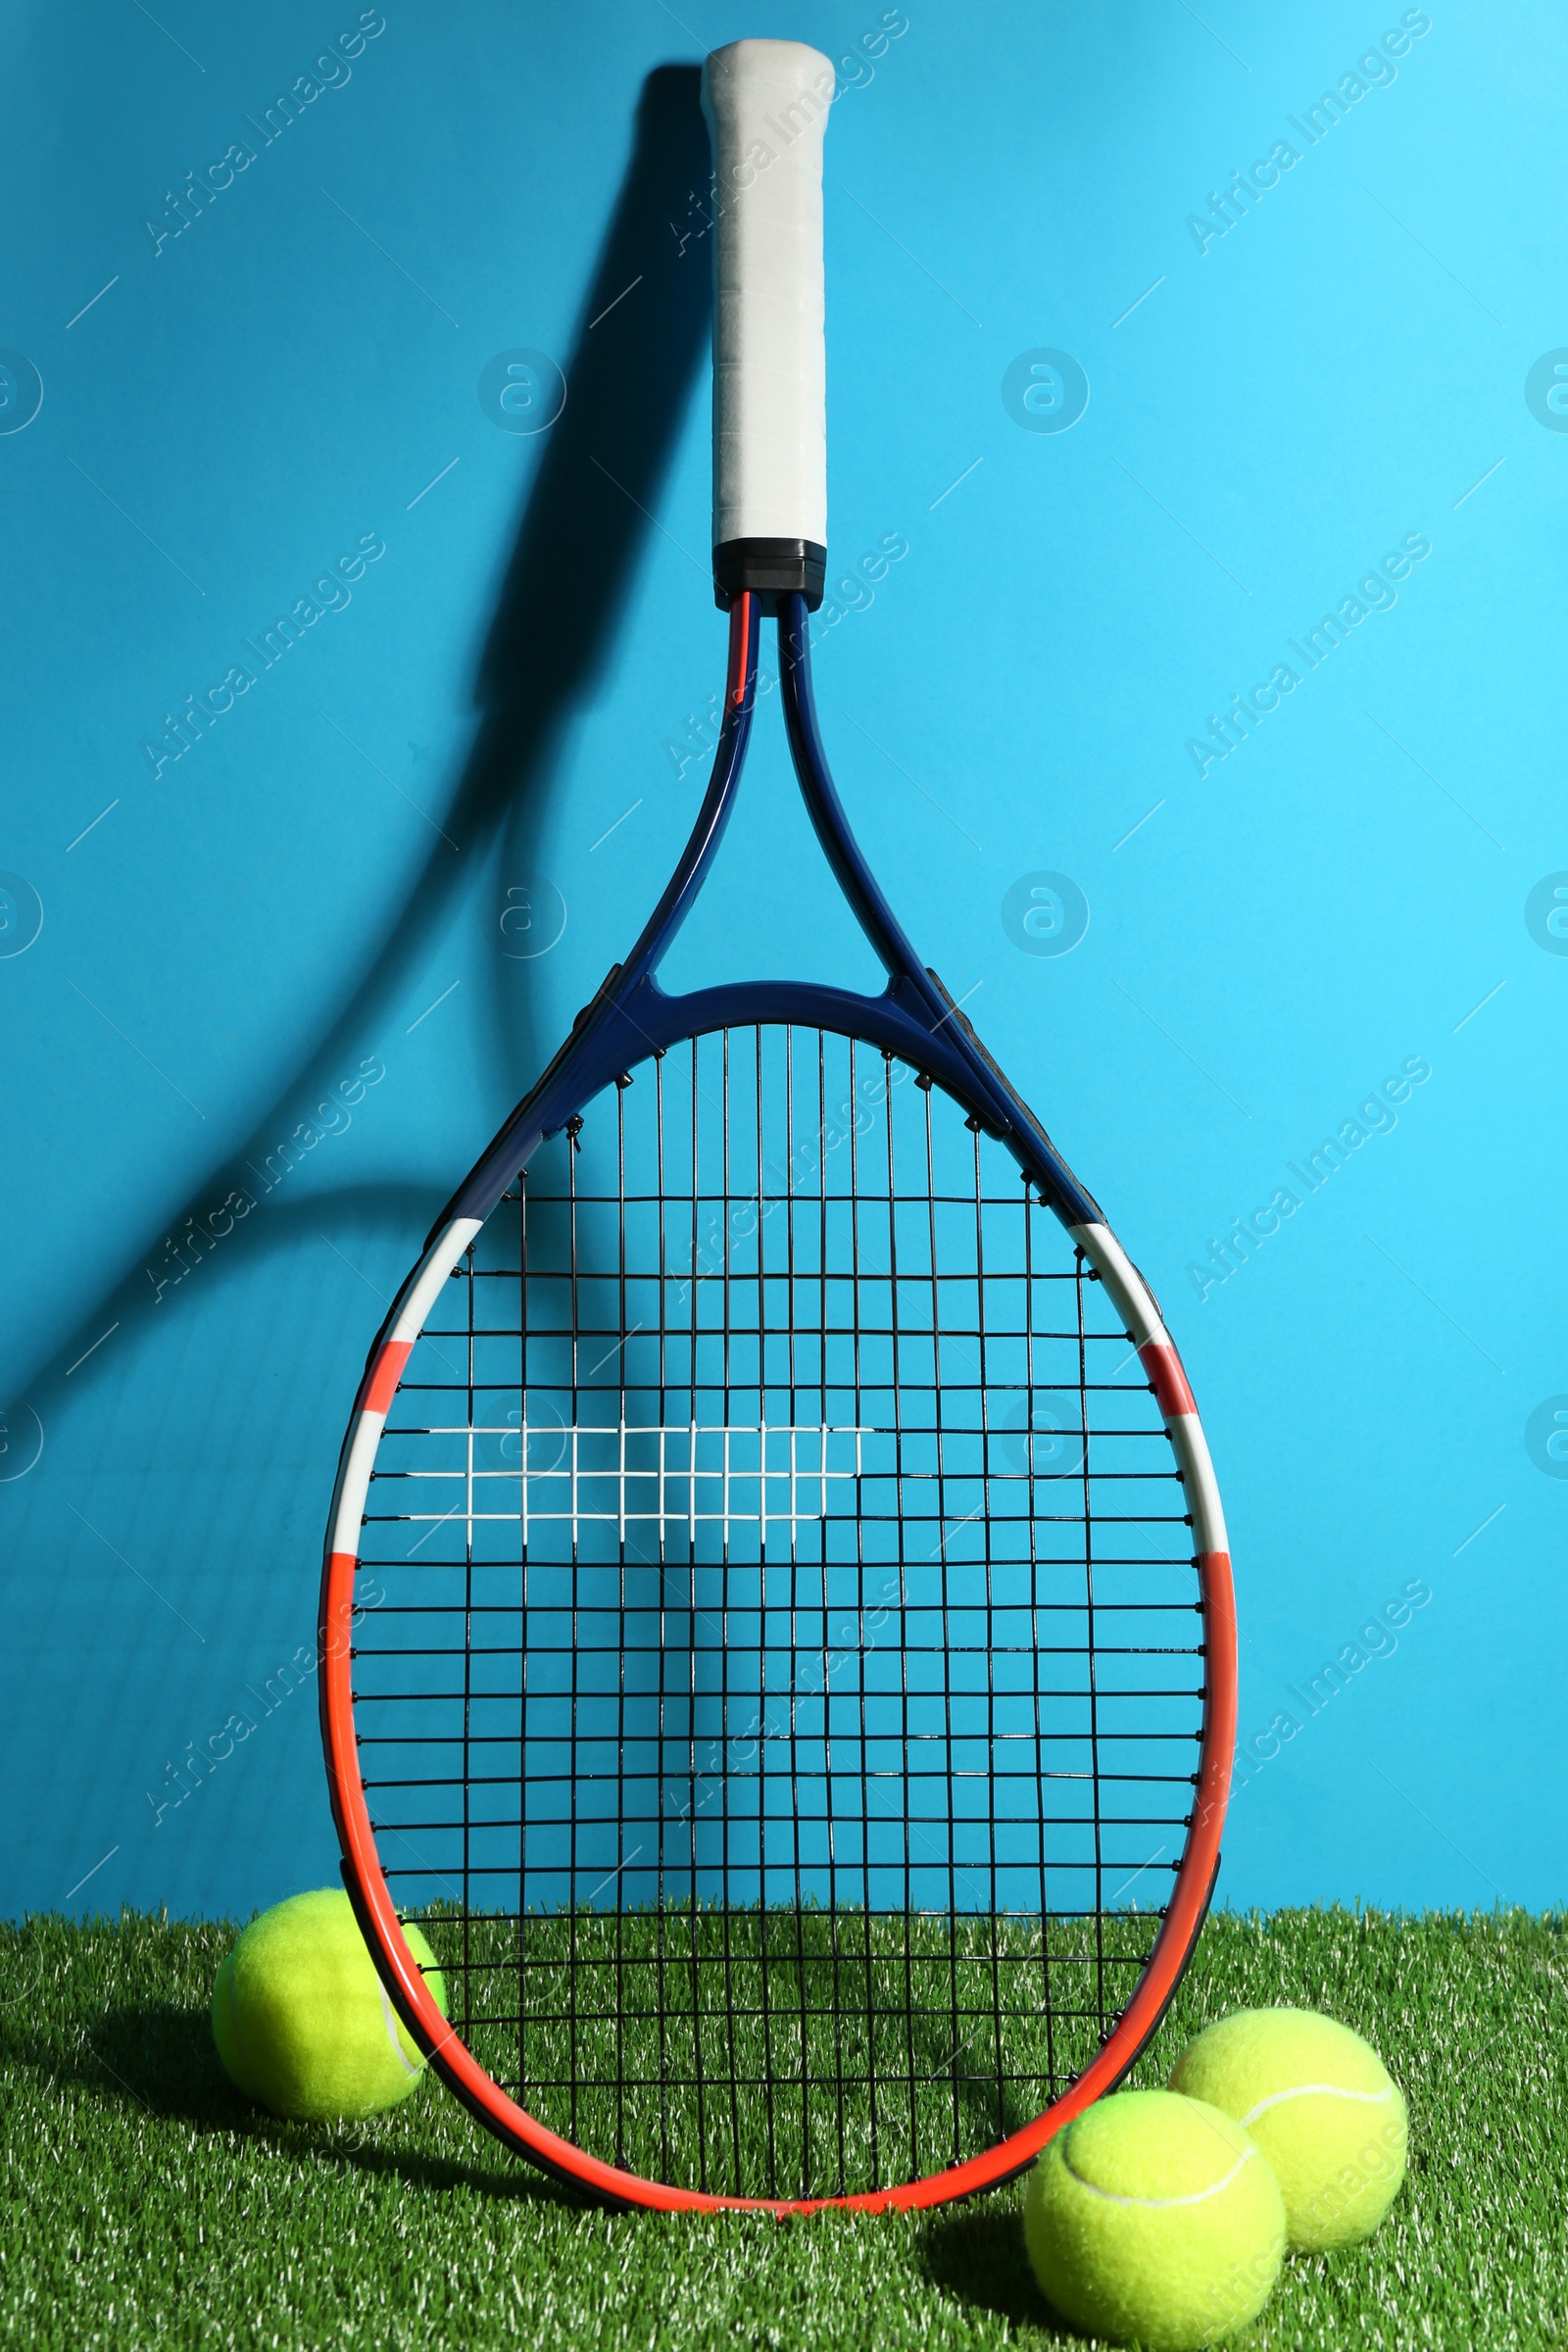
(872, 912)
(702, 847)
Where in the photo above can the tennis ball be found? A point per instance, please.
(1154, 2218)
(302, 2021)
(1319, 2103)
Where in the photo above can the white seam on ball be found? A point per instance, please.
(1157, 2204)
(1315, 2090)
(392, 2034)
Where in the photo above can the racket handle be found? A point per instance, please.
(766, 104)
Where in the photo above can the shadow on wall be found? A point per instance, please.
(630, 381)
(643, 337)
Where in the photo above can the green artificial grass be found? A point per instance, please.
(146, 2204)
(797, 2053)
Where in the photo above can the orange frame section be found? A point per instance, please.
(406, 1985)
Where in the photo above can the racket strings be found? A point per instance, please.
(779, 1675)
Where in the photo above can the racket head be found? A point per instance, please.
(799, 1638)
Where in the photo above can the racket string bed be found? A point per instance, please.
(781, 1702)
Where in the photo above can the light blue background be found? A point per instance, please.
(243, 929)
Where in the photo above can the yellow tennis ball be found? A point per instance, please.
(1319, 2103)
(1154, 2219)
(302, 2021)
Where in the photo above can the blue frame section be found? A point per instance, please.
(630, 1017)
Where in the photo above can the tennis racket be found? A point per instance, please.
(777, 1633)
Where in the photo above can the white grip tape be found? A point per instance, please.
(766, 104)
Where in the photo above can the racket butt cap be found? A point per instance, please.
(770, 568)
